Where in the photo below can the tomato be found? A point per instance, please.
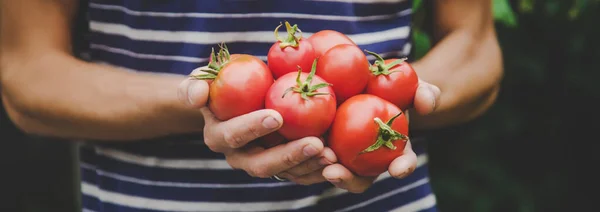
(393, 80)
(324, 40)
(368, 133)
(347, 68)
(239, 85)
(305, 101)
(287, 54)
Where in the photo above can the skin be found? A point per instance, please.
(48, 92)
(459, 81)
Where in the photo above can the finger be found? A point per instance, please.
(327, 157)
(193, 93)
(342, 178)
(426, 98)
(198, 70)
(405, 164)
(277, 159)
(238, 131)
(309, 179)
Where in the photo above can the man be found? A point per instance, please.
(143, 120)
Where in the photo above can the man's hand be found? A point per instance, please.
(425, 103)
(300, 161)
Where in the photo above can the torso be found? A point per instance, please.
(182, 174)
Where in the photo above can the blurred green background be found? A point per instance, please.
(528, 153)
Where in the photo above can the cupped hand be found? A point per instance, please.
(426, 101)
(300, 161)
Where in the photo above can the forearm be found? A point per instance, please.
(467, 67)
(57, 95)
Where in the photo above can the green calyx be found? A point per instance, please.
(291, 39)
(217, 61)
(379, 67)
(304, 87)
(386, 135)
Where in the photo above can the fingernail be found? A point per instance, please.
(310, 151)
(435, 93)
(194, 91)
(428, 94)
(270, 123)
(324, 161)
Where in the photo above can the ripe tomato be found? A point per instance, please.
(324, 40)
(393, 80)
(305, 101)
(239, 86)
(287, 54)
(368, 133)
(347, 68)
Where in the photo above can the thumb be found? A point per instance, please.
(427, 98)
(193, 92)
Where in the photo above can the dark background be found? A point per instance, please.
(532, 151)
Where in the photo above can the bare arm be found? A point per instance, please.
(465, 63)
(49, 92)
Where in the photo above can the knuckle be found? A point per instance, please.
(290, 160)
(211, 145)
(258, 171)
(256, 133)
(232, 163)
(233, 140)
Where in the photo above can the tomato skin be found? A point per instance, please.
(398, 87)
(324, 40)
(285, 60)
(240, 87)
(353, 130)
(301, 118)
(347, 68)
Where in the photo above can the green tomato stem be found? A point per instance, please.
(304, 87)
(379, 67)
(291, 39)
(218, 60)
(386, 135)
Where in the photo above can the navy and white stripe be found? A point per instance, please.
(175, 37)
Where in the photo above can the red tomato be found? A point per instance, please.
(240, 87)
(287, 54)
(393, 80)
(368, 133)
(347, 68)
(305, 101)
(324, 40)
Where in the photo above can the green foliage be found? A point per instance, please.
(503, 13)
(524, 154)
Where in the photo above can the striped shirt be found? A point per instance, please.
(180, 173)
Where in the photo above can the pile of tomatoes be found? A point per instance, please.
(323, 86)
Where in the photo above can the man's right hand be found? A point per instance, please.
(301, 161)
